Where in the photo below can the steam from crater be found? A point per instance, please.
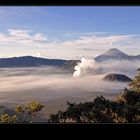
(85, 67)
(91, 67)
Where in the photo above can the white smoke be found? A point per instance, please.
(86, 66)
(38, 54)
(91, 67)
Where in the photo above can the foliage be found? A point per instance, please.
(90, 112)
(124, 110)
(5, 118)
(102, 110)
(130, 109)
(24, 113)
(135, 84)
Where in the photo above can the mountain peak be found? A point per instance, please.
(114, 49)
(114, 52)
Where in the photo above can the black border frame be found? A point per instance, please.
(72, 129)
(69, 2)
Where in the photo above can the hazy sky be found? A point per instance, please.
(68, 32)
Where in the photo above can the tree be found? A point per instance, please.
(126, 109)
(123, 110)
(135, 84)
(24, 113)
(98, 111)
(130, 106)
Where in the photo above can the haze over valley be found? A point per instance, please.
(55, 55)
(57, 84)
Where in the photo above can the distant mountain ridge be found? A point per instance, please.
(29, 61)
(115, 54)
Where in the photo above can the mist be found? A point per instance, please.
(55, 86)
(91, 67)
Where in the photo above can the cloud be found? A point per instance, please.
(19, 32)
(84, 33)
(88, 44)
(94, 41)
(91, 67)
(38, 54)
(92, 45)
(99, 40)
(58, 84)
(3, 38)
(39, 37)
(25, 35)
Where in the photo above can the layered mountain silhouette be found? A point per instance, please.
(115, 54)
(30, 61)
(117, 77)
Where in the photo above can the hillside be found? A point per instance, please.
(29, 61)
(115, 54)
(117, 77)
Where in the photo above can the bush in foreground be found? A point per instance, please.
(24, 113)
(101, 110)
(125, 109)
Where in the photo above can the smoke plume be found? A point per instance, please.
(91, 67)
(85, 67)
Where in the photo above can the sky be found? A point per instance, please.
(68, 32)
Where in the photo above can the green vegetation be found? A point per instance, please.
(135, 84)
(24, 113)
(125, 109)
(101, 110)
